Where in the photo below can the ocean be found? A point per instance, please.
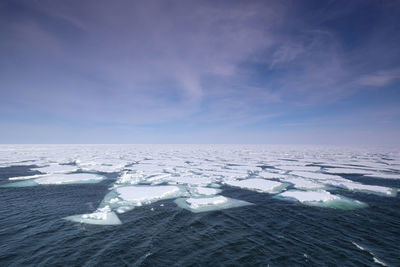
(198, 205)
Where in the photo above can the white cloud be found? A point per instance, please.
(380, 78)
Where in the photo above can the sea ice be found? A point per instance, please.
(385, 175)
(26, 177)
(147, 194)
(298, 168)
(130, 177)
(375, 189)
(304, 183)
(100, 217)
(205, 191)
(271, 175)
(78, 178)
(307, 196)
(259, 185)
(126, 198)
(107, 168)
(56, 168)
(195, 203)
(198, 171)
(317, 175)
(210, 204)
(190, 180)
(322, 198)
(57, 179)
(346, 171)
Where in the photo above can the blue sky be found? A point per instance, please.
(273, 72)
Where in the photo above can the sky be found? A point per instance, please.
(247, 72)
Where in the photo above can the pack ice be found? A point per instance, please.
(196, 175)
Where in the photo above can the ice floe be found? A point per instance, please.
(205, 191)
(126, 198)
(56, 168)
(298, 168)
(385, 175)
(58, 179)
(102, 216)
(147, 194)
(210, 204)
(375, 189)
(346, 171)
(317, 175)
(304, 183)
(259, 185)
(271, 175)
(27, 177)
(308, 196)
(70, 178)
(322, 198)
(190, 180)
(195, 203)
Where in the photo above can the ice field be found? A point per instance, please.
(205, 178)
(147, 174)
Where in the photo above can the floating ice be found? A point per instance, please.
(304, 183)
(298, 168)
(130, 177)
(322, 198)
(317, 175)
(56, 168)
(75, 178)
(385, 175)
(195, 203)
(199, 170)
(209, 204)
(307, 196)
(205, 191)
(26, 177)
(157, 178)
(108, 168)
(375, 189)
(259, 185)
(126, 198)
(102, 216)
(271, 175)
(147, 194)
(57, 179)
(347, 171)
(190, 180)
(25, 183)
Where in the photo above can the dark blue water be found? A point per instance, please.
(271, 232)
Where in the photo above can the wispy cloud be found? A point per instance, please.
(380, 78)
(154, 62)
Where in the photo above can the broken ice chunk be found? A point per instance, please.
(322, 198)
(56, 168)
(210, 204)
(57, 179)
(206, 191)
(259, 185)
(195, 203)
(75, 178)
(304, 183)
(146, 194)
